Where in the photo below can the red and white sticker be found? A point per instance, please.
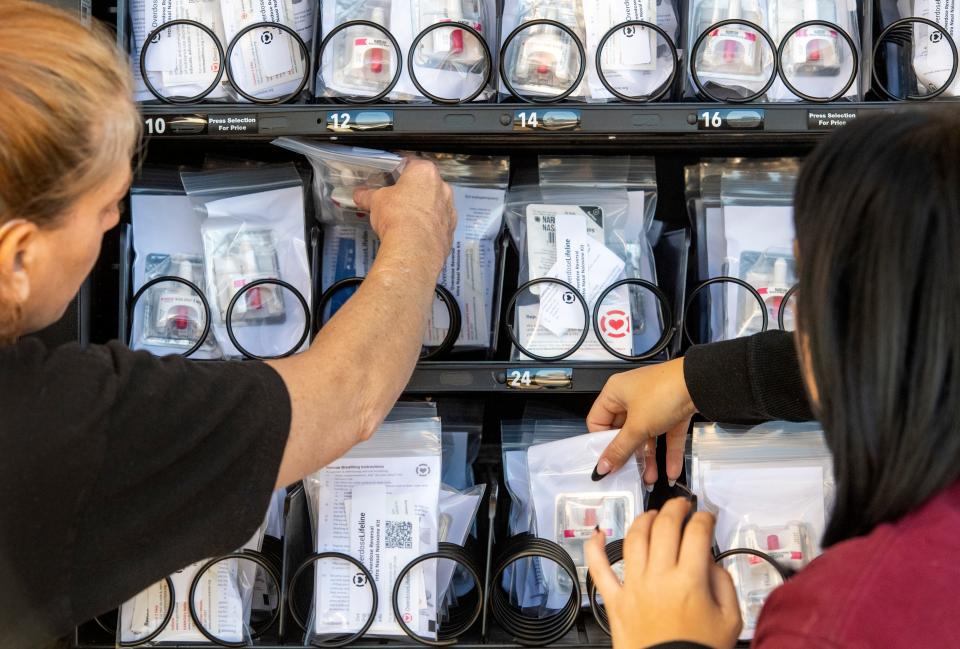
(615, 323)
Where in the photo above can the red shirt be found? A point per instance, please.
(899, 586)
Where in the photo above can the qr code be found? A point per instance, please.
(398, 535)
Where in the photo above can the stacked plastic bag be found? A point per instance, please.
(743, 211)
(233, 227)
(185, 61)
(771, 488)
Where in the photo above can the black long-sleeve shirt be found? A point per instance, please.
(748, 380)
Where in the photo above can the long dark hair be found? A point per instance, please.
(878, 236)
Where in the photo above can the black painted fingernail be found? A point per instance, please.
(596, 528)
(597, 476)
(601, 470)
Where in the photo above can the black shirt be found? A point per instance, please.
(117, 468)
(748, 380)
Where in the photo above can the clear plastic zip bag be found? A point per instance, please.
(222, 605)
(586, 225)
(479, 186)
(183, 60)
(553, 497)
(732, 56)
(254, 249)
(821, 58)
(378, 504)
(437, 50)
(269, 63)
(169, 317)
(219, 55)
(339, 170)
(637, 62)
(569, 504)
(771, 488)
(743, 210)
(914, 55)
(174, 314)
(543, 60)
(451, 47)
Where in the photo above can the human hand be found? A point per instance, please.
(644, 403)
(416, 215)
(672, 590)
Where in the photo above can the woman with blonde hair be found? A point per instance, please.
(116, 467)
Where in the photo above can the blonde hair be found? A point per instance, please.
(67, 116)
(67, 119)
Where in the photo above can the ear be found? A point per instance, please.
(18, 251)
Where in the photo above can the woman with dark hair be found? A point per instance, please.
(877, 217)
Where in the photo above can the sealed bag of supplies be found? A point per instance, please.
(378, 504)
(169, 317)
(268, 63)
(744, 213)
(569, 505)
(735, 50)
(184, 61)
(821, 50)
(771, 488)
(367, 42)
(574, 49)
(553, 496)
(452, 45)
(635, 62)
(915, 47)
(222, 605)
(253, 234)
(732, 55)
(543, 60)
(581, 230)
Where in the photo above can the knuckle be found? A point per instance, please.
(700, 523)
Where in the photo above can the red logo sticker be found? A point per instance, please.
(615, 323)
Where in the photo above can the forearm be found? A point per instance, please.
(342, 388)
(748, 380)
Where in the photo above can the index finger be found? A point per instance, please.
(605, 413)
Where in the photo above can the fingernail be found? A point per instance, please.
(650, 487)
(596, 528)
(671, 483)
(601, 470)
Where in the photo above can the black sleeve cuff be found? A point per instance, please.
(748, 380)
(776, 377)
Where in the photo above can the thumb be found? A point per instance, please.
(621, 449)
(363, 197)
(608, 584)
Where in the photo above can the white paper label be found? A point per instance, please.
(572, 239)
